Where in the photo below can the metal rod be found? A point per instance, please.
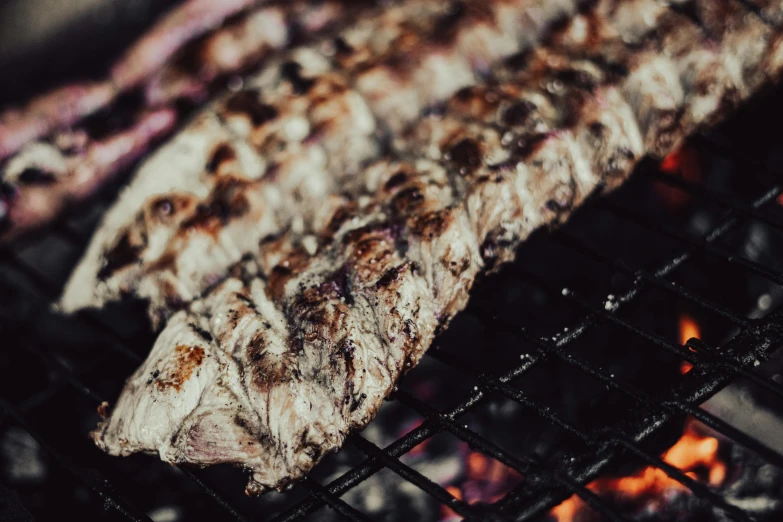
(334, 502)
(747, 211)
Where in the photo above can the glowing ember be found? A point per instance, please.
(671, 163)
(694, 454)
(477, 465)
(446, 513)
(689, 329)
(484, 480)
(684, 163)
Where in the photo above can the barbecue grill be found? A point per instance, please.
(565, 366)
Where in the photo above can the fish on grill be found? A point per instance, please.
(81, 113)
(310, 123)
(275, 366)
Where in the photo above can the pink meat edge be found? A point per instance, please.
(34, 206)
(183, 24)
(61, 107)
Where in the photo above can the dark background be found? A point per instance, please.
(44, 43)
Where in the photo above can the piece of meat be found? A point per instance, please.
(44, 178)
(272, 370)
(184, 23)
(66, 105)
(190, 76)
(309, 122)
(242, 44)
(63, 106)
(172, 62)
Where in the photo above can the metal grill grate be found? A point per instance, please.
(54, 376)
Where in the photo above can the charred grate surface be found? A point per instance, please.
(587, 311)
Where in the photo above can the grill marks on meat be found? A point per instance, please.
(189, 75)
(228, 172)
(307, 359)
(181, 25)
(310, 123)
(242, 44)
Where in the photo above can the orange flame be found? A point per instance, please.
(477, 465)
(689, 329)
(694, 454)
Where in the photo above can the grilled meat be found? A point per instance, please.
(313, 121)
(63, 106)
(67, 105)
(188, 76)
(244, 43)
(180, 26)
(272, 370)
(43, 178)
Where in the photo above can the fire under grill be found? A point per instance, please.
(583, 359)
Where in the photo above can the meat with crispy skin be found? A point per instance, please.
(184, 23)
(272, 370)
(62, 106)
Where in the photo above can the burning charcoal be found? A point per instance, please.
(649, 495)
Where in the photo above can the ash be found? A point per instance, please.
(22, 457)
